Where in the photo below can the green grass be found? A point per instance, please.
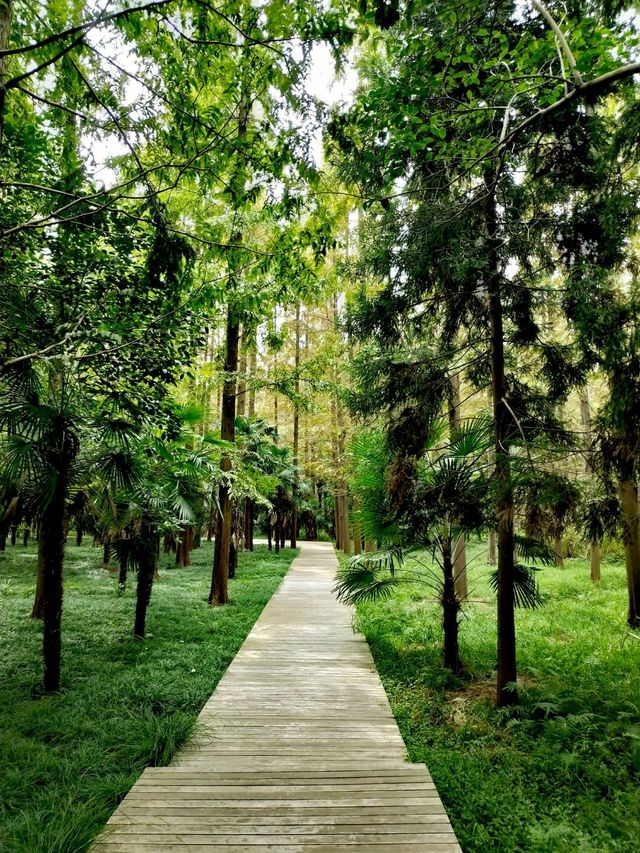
(559, 775)
(66, 761)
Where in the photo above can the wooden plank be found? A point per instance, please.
(296, 750)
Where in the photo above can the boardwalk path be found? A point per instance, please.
(297, 748)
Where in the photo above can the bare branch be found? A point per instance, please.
(564, 45)
(85, 27)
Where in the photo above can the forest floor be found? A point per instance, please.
(66, 761)
(561, 772)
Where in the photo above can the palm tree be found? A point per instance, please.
(450, 498)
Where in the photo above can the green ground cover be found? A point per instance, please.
(66, 761)
(561, 773)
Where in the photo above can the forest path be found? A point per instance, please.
(296, 750)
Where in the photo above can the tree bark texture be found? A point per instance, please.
(296, 432)
(219, 593)
(628, 493)
(506, 651)
(146, 561)
(450, 610)
(460, 552)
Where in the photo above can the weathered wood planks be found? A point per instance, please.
(296, 750)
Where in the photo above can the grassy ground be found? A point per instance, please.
(560, 774)
(66, 761)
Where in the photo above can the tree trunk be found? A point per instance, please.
(253, 366)
(220, 575)
(38, 603)
(595, 561)
(146, 560)
(25, 536)
(14, 534)
(557, 549)
(296, 431)
(218, 593)
(79, 535)
(491, 548)
(52, 539)
(6, 7)
(124, 562)
(241, 396)
(248, 524)
(106, 553)
(450, 609)
(585, 417)
(183, 547)
(628, 492)
(506, 652)
(460, 568)
(460, 553)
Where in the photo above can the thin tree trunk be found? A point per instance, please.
(79, 535)
(124, 562)
(585, 417)
(450, 609)
(52, 538)
(558, 550)
(38, 602)
(6, 8)
(595, 561)
(241, 398)
(460, 552)
(253, 367)
(491, 548)
(506, 652)
(296, 432)
(14, 534)
(628, 492)
(218, 593)
(146, 560)
(25, 536)
(106, 553)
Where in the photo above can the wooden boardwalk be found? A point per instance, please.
(297, 748)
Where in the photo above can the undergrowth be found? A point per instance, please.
(560, 772)
(66, 761)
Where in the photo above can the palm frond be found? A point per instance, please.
(526, 593)
(361, 582)
(534, 549)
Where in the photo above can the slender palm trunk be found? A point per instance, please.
(52, 538)
(450, 610)
(146, 560)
